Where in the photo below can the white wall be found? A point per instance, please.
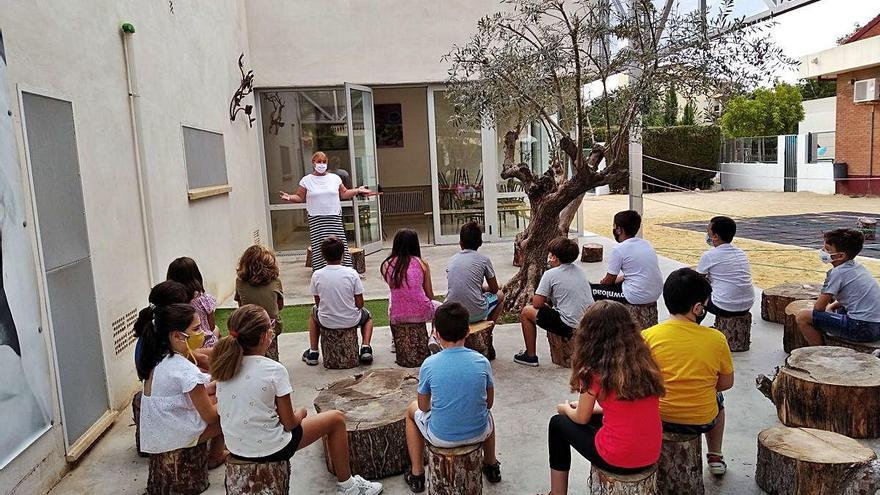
(820, 115)
(814, 177)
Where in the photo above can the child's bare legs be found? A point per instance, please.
(499, 308)
(367, 332)
(415, 443)
(489, 458)
(527, 320)
(332, 425)
(217, 446)
(715, 436)
(804, 320)
(558, 482)
(314, 332)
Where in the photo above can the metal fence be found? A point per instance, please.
(761, 149)
(821, 146)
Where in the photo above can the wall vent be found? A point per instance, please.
(258, 240)
(123, 331)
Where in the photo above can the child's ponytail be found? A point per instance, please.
(246, 326)
(155, 323)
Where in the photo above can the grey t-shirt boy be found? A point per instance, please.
(568, 288)
(855, 288)
(465, 273)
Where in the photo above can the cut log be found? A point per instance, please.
(358, 259)
(410, 344)
(591, 253)
(868, 226)
(455, 471)
(179, 472)
(645, 315)
(339, 348)
(605, 483)
(737, 330)
(272, 351)
(680, 469)
(866, 347)
(792, 338)
(804, 461)
(374, 404)
(862, 480)
(257, 478)
(479, 338)
(775, 299)
(309, 257)
(829, 388)
(560, 349)
(517, 255)
(136, 416)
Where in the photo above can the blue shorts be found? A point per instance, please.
(491, 303)
(839, 324)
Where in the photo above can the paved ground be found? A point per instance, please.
(525, 401)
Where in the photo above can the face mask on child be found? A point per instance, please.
(825, 256)
(709, 240)
(194, 341)
(320, 167)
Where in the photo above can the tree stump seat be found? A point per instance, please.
(257, 478)
(309, 257)
(643, 314)
(479, 338)
(179, 472)
(868, 226)
(339, 348)
(358, 259)
(374, 404)
(136, 416)
(775, 299)
(560, 349)
(865, 347)
(804, 461)
(828, 388)
(737, 330)
(605, 483)
(792, 338)
(410, 343)
(455, 471)
(591, 253)
(680, 468)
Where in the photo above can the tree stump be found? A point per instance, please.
(455, 471)
(560, 349)
(375, 405)
(479, 338)
(645, 315)
(829, 388)
(358, 259)
(410, 344)
(309, 257)
(868, 226)
(272, 351)
(257, 478)
(339, 348)
(680, 469)
(792, 338)
(737, 330)
(604, 483)
(179, 472)
(517, 255)
(804, 461)
(591, 253)
(866, 347)
(862, 480)
(775, 299)
(136, 416)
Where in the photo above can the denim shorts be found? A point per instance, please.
(839, 324)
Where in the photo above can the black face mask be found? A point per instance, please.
(616, 235)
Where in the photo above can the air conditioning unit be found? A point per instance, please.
(866, 90)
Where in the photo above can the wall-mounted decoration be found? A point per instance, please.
(275, 122)
(245, 88)
(389, 126)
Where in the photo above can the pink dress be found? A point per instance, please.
(410, 304)
(205, 305)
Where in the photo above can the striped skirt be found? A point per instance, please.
(320, 228)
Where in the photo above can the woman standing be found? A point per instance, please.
(323, 194)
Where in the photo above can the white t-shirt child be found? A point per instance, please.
(637, 260)
(730, 275)
(322, 194)
(336, 286)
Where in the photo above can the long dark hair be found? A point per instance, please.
(609, 346)
(186, 271)
(246, 326)
(405, 247)
(162, 294)
(155, 341)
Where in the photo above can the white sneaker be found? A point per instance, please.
(359, 486)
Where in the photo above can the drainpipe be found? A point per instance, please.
(135, 114)
(871, 155)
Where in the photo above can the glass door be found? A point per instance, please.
(362, 151)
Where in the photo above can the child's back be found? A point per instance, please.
(465, 274)
(636, 259)
(856, 289)
(457, 379)
(409, 303)
(337, 286)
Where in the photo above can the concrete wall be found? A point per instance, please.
(814, 177)
(819, 115)
(186, 64)
(845, 58)
(411, 164)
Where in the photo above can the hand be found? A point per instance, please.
(285, 196)
(563, 408)
(363, 190)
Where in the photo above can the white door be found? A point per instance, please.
(364, 166)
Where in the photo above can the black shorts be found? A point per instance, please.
(715, 310)
(696, 429)
(548, 319)
(282, 455)
(612, 292)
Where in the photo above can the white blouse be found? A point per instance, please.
(169, 419)
(322, 194)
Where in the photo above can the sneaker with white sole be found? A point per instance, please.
(433, 346)
(366, 354)
(716, 463)
(359, 486)
(310, 357)
(523, 358)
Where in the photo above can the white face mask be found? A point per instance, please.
(825, 256)
(320, 167)
(709, 241)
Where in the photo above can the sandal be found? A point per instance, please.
(416, 483)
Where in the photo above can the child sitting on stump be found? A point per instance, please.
(633, 269)
(256, 410)
(695, 363)
(339, 302)
(849, 306)
(456, 392)
(465, 273)
(727, 268)
(559, 301)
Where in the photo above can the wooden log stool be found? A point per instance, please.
(339, 348)
(358, 259)
(829, 388)
(775, 299)
(680, 469)
(645, 315)
(374, 404)
(591, 253)
(792, 338)
(605, 483)
(479, 338)
(410, 344)
(804, 461)
(455, 471)
(136, 416)
(862, 479)
(560, 349)
(179, 472)
(737, 330)
(868, 226)
(865, 347)
(257, 478)
(309, 257)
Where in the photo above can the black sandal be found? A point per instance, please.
(416, 483)
(493, 472)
